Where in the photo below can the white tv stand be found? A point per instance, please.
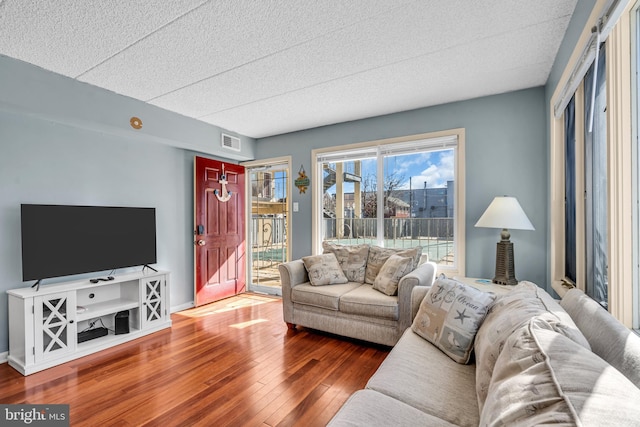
(44, 324)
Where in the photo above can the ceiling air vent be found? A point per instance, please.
(230, 142)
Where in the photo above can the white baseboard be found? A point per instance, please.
(181, 307)
(4, 357)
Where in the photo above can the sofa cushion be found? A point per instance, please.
(321, 296)
(370, 408)
(394, 269)
(543, 377)
(378, 256)
(352, 259)
(419, 374)
(608, 338)
(508, 313)
(366, 301)
(324, 269)
(450, 315)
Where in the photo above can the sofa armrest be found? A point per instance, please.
(608, 338)
(292, 273)
(424, 275)
(417, 295)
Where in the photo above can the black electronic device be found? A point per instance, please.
(122, 322)
(102, 279)
(91, 334)
(61, 240)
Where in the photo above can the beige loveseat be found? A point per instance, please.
(355, 306)
(535, 363)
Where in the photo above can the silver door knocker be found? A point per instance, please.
(226, 195)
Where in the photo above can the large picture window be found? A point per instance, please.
(586, 234)
(635, 68)
(570, 256)
(595, 176)
(598, 76)
(396, 194)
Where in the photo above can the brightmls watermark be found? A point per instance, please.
(34, 415)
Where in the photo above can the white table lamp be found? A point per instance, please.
(505, 212)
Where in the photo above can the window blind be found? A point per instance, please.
(605, 23)
(450, 141)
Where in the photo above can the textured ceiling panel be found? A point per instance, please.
(72, 36)
(220, 37)
(368, 48)
(266, 67)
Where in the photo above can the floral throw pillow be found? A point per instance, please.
(450, 315)
(324, 270)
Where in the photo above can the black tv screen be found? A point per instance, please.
(62, 240)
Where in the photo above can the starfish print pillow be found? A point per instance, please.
(450, 315)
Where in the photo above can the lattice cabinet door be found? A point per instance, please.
(54, 325)
(154, 299)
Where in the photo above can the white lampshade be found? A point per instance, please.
(505, 212)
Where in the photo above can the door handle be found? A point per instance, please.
(200, 242)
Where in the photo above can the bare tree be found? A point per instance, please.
(392, 183)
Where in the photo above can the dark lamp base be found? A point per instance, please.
(505, 271)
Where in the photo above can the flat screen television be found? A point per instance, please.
(61, 240)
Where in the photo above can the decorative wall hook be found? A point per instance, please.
(225, 195)
(303, 180)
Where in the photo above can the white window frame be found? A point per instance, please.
(287, 162)
(635, 114)
(458, 269)
(620, 192)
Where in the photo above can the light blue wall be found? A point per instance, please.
(32, 91)
(505, 154)
(84, 152)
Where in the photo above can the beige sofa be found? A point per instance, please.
(533, 365)
(354, 308)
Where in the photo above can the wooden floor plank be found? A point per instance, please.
(232, 363)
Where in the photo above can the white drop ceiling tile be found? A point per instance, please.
(264, 79)
(71, 36)
(450, 23)
(345, 52)
(382, 91)
(527, 46)
(336, 101)
(526, 11)
(360, 97)
(396, 37)
(220, 37)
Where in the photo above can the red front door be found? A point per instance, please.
(219, 252)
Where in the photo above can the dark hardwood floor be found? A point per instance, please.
(230, 363)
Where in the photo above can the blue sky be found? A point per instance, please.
(433, 167)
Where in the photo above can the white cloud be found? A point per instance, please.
(433, 167)
(439, 169)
